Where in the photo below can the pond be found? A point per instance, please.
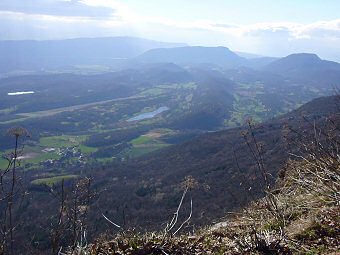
(20, 93)
(148, 115)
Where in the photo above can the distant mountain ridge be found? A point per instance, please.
(221, 56)
(36, 55)
(307, 68)
(305, 61)
(119, 53)
(248, 55)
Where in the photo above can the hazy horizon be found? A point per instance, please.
(260, 27)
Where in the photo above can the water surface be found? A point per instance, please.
(148, 115)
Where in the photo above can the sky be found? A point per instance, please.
(265, 27)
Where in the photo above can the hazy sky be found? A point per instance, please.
(268, 27)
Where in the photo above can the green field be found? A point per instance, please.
(142, 150)
(46, 113)
(101, 117)
(143, 139)
(163, 89)
(35, 154)
(145, 144)
(53, 180)
(64, 141)
(247, 105)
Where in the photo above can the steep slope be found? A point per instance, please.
(318, 107)
(293, 219)
(221, 161)
(298, 215)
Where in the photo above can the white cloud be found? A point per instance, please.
(295, 30)
(20, 16)
(55, 8)
(119, 8)
(77, 18)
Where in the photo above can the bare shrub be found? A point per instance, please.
(11, 191)
(70, 225)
